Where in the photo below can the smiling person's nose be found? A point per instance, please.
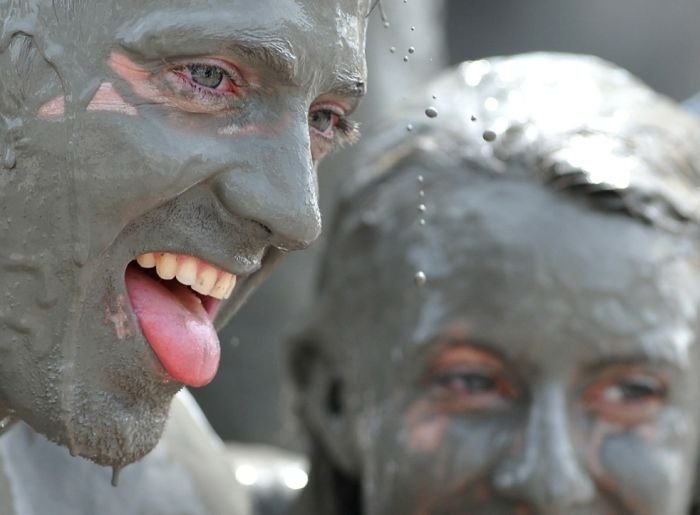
(279, 190)
(545, 472)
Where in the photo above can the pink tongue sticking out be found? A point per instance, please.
(176, 326)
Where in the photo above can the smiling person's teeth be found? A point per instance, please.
(205, 281)
(166, 265)
(190, 271)
(187, 271)
(147, 260)
(221, 286)
(231, 287)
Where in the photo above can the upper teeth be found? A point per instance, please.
(190, 271)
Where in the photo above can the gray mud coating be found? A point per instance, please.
(562, 279)
(188, 473)
(88, 184)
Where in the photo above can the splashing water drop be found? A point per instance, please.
(409, 127)
(411, 50)
(420, 178)
(421, 208)
(387, 24)
(489, 136)
(421, 221)
(421, 193)
(420, 278)
(431, 112)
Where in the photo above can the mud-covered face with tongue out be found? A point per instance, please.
(156, 158)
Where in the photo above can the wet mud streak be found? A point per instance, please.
(116, 471)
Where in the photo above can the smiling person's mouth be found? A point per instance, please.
(175, 299)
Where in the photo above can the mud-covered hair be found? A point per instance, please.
(554, 116)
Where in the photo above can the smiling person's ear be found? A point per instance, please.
(322, 401)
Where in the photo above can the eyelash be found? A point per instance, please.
(201, 89)
(348, 132)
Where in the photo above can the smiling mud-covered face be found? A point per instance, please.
(547, 366)
(157, 157)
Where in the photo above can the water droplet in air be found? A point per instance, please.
(431, 112)
(421, 208)
(387, 24)
(489, 135)
(420, 278)
(413, 28)
(421, 221)
(405, 59)
(409, 127)
(421, 193)
(392, 49)
(420, 178)
(473, 118)
(411, 50)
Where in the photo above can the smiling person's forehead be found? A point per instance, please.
(299, 27)
(312, 42)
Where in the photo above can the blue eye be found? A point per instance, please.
(323, 120)
(206, 75)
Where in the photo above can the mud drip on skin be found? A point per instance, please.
(17, 26)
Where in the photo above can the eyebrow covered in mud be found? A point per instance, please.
(159, 40)
(454, 345)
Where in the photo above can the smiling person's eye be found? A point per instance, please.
(204, 86)
(627, 397)
(323, 120)
(206, 75)
(208, 78)
(330, 130)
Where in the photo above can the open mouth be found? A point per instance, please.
(175, 298)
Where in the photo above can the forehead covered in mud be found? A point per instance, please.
(76, 38)
(594, 195)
